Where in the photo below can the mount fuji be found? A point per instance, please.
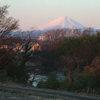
(60, 23)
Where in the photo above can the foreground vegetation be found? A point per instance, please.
(10, 70)
(78, 57)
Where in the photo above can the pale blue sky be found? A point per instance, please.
(31, 13)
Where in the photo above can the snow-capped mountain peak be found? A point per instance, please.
(60, 23)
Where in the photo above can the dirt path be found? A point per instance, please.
(16, 92)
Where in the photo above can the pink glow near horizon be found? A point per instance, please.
(33, 13)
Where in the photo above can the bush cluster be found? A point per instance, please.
(89, 81)
(83, 52)
(10, 71)
(51, 83)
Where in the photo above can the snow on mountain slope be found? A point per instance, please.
(60, 23)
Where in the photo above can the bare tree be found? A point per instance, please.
(54, 35)
(7, 24)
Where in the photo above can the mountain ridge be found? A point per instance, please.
(60, 23)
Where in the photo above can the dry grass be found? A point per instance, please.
(3, 90)
(15, 91)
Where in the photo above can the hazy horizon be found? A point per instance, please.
(32, 13)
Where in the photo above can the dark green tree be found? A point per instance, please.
(19, 73)
(26, 55)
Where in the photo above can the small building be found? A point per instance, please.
(35, 46)
(6, 46)
(72, 32)
(45, 38)
(17, 47)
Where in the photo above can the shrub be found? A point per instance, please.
(51, 83)
(64, 84)
(84, 81)
(41, 84)
(17, 74)
(4, 77)
(93, 81)
(6, 58)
